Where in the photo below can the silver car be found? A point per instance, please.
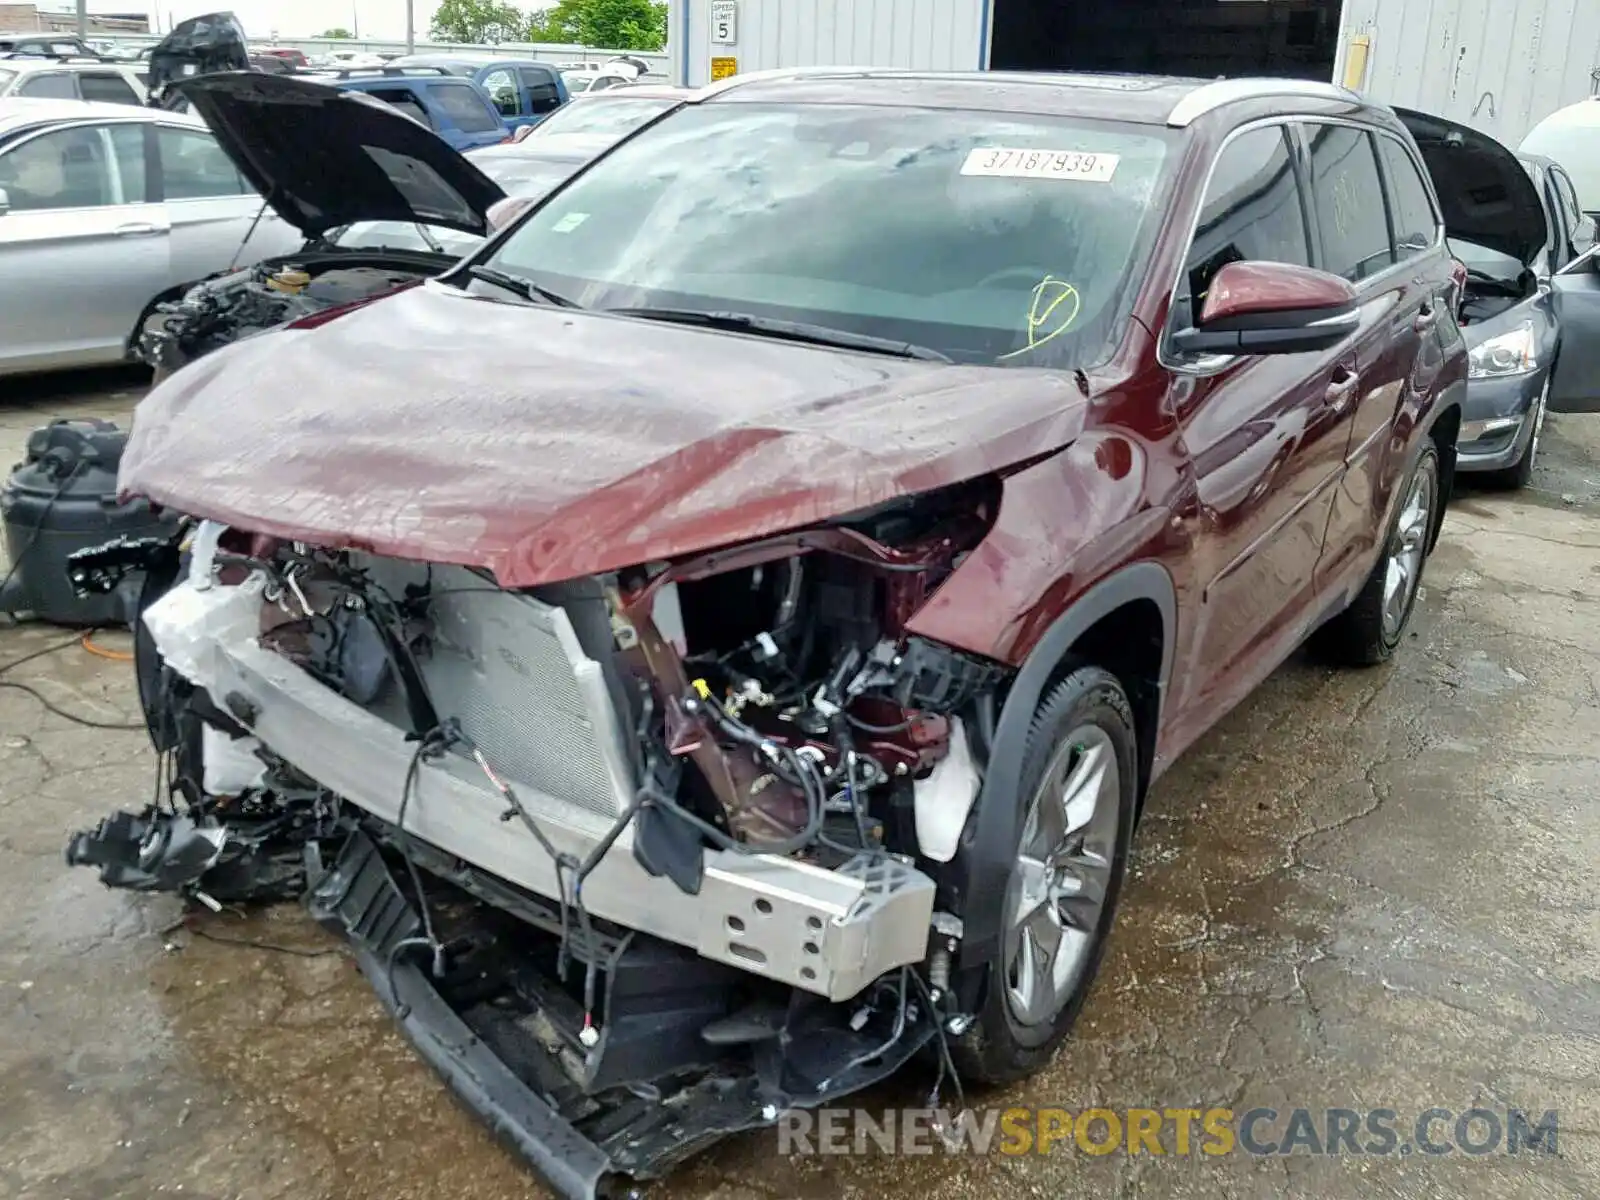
(106, 209)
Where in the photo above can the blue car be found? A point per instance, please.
(524, 91)
(455, 108)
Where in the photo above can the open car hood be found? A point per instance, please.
(1486, 194)
(324, 157)
(199, 46)
(546, 443)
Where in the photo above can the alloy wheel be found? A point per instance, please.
(1407, 549)
(1058, 890)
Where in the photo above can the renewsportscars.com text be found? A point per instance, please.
(1208, 1132)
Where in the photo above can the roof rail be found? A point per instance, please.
(47, 56)
(359, 72)
(1211, 96)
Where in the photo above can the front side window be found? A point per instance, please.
(990, 237)
(193, 166)
(465, 107)
(67, 168)
(1352, 216)
(1416, 221)
(1252, 212)
(107, 86)
(49, 85)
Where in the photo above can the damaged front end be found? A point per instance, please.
(638, 860)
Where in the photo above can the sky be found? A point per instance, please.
(295, 18)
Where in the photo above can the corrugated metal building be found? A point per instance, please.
(1500, 65)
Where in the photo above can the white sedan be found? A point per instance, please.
(106, 209)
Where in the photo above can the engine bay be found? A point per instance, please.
(250, 301)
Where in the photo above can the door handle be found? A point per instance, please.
(1342, 390)
(1426, 318)
(137, 229)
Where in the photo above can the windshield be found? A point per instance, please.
(5, 78)
(989, 237)
(614, 116)
(576, 81)
(1485, 261)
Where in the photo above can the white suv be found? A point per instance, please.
(72, 79)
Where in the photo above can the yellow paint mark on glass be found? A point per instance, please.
(1054, 307)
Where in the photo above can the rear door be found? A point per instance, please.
(81, 245)
(211, 209)
(1266, 434)
(1379, 229)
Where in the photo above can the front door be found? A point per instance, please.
(1267, 435)
(1575, 383)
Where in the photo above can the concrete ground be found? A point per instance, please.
(1363, 890)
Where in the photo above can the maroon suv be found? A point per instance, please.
(714, 643)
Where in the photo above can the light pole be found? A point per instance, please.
(83, 18)
(411, 27)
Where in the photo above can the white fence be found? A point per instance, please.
(545, 52)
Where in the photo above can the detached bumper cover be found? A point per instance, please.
(358, 898)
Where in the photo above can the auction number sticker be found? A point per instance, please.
(1009, 163)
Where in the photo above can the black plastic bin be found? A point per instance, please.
(61, 499)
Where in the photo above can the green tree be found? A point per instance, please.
(338, 31)
(606, 24)
(478, 21)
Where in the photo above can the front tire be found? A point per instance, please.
(1079, 787)
(1371, 629)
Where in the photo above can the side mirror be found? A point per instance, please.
(502, 212)
(1271, 308)
(5, 202)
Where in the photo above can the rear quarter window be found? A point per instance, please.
(464, 107)
(52, 85)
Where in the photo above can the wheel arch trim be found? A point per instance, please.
(983, 862)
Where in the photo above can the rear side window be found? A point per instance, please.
(543, 94)
(1252, 211)
(52, 85)
(406, 102)
(107, 86)
(193, 166)
(465, 108)
(1352, 217)
(1416, 221)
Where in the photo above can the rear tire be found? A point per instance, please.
(1079, 786)
(1372, 628)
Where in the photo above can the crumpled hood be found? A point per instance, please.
(544, 444)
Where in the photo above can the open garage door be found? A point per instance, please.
(1205, 38)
